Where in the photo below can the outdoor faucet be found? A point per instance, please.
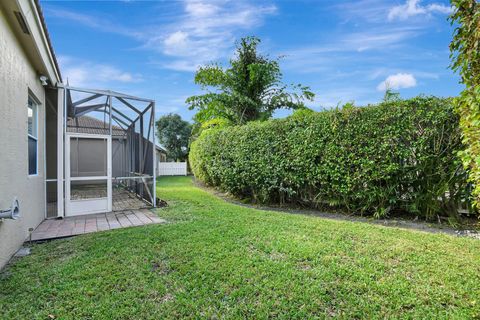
(11, 213)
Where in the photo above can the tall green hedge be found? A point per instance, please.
(379, 159)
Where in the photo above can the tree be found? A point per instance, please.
(465, 55)
(390, 95)
(174, 133)
(250, 89)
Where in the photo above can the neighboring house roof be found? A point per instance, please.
(160, 148)
(90, 125)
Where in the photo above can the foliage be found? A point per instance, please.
(250, 89)
(218, 260)
(391, 95)
(215, 123)
(396, 156)
(173, 133)
(465, 54)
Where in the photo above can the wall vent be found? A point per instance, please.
(21, 22)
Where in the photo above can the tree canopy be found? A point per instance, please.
(251, 88)
(174, 133)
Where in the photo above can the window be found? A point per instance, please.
(32, 136)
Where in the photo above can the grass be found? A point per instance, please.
(219, 260)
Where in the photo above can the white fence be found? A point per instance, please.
(172, 168)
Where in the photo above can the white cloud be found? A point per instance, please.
(179, 65)
(178, 38)
(414, 8)
(397, 81)
(84, 73)
(366, 10)
(440, 8)
(206, 31)
(419, 74)
(92, 22)
(345, 48)
(367, 40)
(198, 8)
(176, 44)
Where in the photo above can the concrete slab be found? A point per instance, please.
(72, 226)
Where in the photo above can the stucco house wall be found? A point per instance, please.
(25, 54)
(17, 79)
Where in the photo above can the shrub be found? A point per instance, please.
(465, 56)
(395, 156)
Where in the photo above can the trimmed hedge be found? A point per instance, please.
(395, 156)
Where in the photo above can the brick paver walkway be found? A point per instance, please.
(71, 226)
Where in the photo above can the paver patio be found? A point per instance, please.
(71, 226)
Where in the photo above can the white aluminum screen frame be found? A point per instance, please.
(65, 107)
(87, 206)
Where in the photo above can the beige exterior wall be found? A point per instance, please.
(17, 78)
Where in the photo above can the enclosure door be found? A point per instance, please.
(88, 174)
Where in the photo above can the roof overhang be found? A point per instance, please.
(160, 148)
(36, 42)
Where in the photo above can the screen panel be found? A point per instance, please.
(91, 189)
(88, 157)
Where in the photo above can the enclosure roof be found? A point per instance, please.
(108, 93)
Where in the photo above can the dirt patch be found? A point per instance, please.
(161, 267)
(161, 203)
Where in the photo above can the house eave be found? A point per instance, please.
(36, 43)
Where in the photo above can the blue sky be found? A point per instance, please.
(344, 50)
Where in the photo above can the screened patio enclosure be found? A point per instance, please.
(109, 155)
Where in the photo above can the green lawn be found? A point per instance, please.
(219, 260)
